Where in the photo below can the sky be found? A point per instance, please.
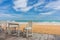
(29, 9)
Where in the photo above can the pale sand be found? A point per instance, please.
(45, 28)
(49, 28)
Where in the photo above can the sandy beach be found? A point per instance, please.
(45, 28)
(38, 27)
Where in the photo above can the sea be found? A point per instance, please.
(37, 20)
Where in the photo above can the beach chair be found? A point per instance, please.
(13, 29)
(28, 30)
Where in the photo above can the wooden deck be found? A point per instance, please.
(34, 37)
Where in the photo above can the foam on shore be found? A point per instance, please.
(47, 23)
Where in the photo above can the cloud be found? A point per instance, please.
(25, 9)
(39, 3)
(4, 15)
(7, 15)
(10, 16)
(21, 5)
(54, 5)
(48, 13)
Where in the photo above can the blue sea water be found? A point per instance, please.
(37, 20)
